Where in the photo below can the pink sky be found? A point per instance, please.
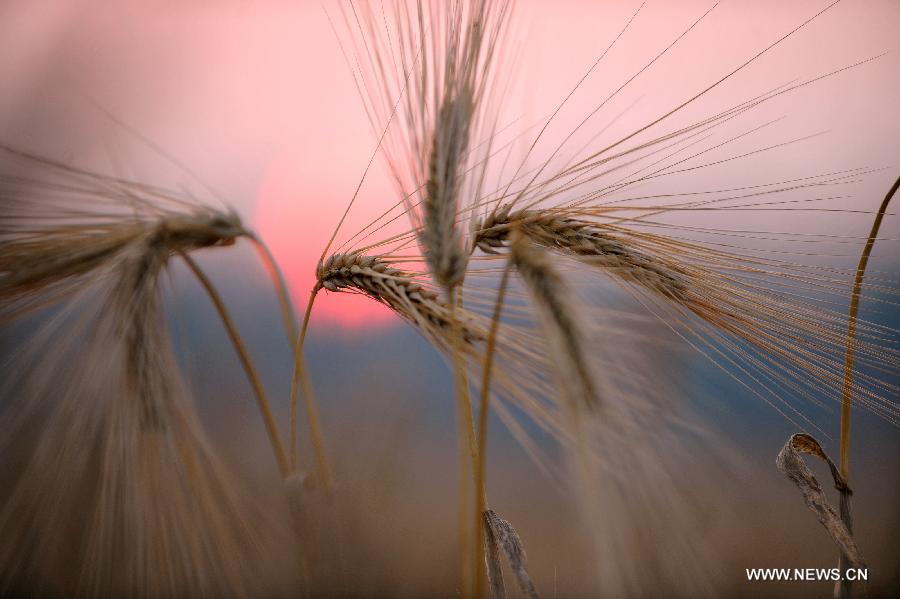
(255, 97)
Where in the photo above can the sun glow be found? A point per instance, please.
(296, 211)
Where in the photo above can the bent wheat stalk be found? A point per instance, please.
(844, 587)
(847, 389)
(296, 340)
(246, 362)
(301, 377)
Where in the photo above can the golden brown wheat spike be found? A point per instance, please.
(560, 320)
(584, 239)
(395, 288)
(440, 236)
(122, 467)
(427, 78)
(748, 297)
(116, 490)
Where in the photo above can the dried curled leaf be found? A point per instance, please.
(501, 534)
(492, 559)
(790, 462)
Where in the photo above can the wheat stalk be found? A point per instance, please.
(442, 241)
(296, 340)
(847, 387)
(481, 503)
(844, 587)
(246, 363)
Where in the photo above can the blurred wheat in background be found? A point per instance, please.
(633, 262)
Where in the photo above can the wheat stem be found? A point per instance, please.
(483, 403)
(287, 315)
(287, 312)
(844, 587)
(246, 362)
(468, 445)
(284, 298)
(301, 377)
(847, 391)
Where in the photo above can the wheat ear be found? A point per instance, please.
(411, 300)
(122, 462)
(284, 298)
(397, 289)
(440, 235)
(559, 319)
(678, 282)
(444, 255)
(583, 239)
